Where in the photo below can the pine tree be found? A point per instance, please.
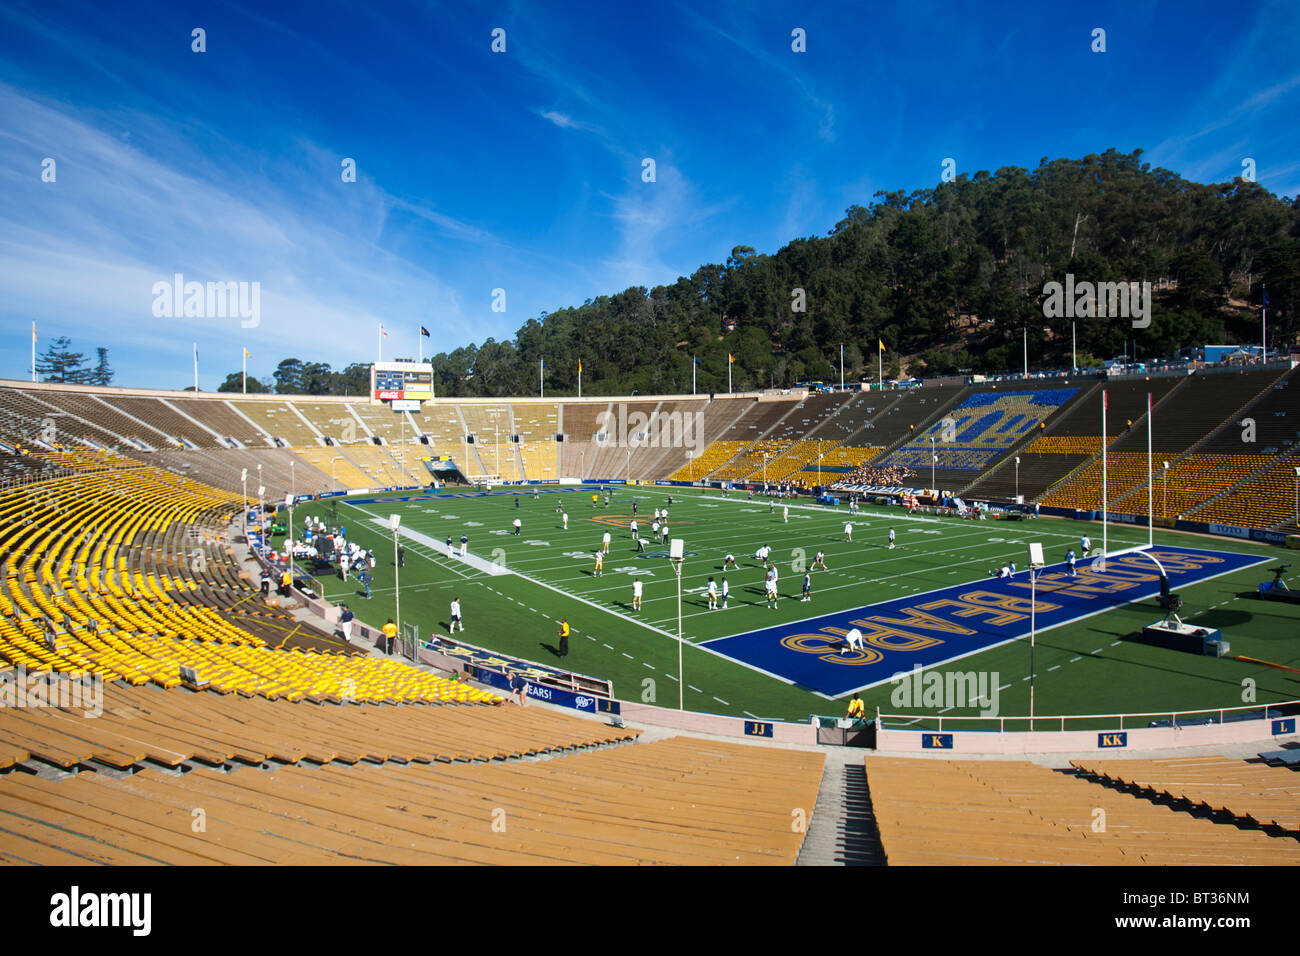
(61, 364)
(102, 373)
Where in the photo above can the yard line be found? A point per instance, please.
(721, 701)
(694, 688)
(1054, 667)
(627, 655)
(644, 664)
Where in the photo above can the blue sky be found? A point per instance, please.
(522, 170)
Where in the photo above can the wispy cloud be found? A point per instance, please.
(565, 121)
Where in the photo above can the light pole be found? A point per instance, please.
(333, 481)
(1297, 496)
(259, 491)
(288, 501)
(243, 484)
(394, 521)
(627, 475)
(765, 471)
(933, 458)
(1017, 479)
(676, 554)
(1035, 562)
(819, 463)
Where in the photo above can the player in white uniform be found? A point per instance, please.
(636, 594)
(729, 562)
(604, 543)
(713, 594)
(726, 592)
(770, 587)
(853, 641)
(1085, 545)
(891, 538)
(848, 531)
(455, 616)
(785, 514)
(565, 518)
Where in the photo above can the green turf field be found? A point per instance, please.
(1082, 668)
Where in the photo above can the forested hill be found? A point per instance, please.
(946, 277)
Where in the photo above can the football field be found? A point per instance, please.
(929, 601)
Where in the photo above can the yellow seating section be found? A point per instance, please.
(73, 552)
(717, 454)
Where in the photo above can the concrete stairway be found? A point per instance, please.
(842, 831)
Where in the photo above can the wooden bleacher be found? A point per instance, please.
(677, 801)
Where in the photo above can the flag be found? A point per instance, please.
(247, 354)
(1265, 300)
(731, 359)
(425, 332)
(383, 331)
(697, 360)
(33, 333)
(881, 344)
(579, 366)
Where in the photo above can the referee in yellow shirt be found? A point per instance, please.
(564, 638)
(390, 634)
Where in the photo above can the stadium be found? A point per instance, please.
(450, 483)
(140, 527)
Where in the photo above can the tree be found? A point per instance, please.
(234, 383)
(288, 377)
(102, 374)
(61, 364)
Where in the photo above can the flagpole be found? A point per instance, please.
(243, 386)
(580, 378)
(694, 362)
(841, 366)
(880, 359)
(33, 351)
(541, 377)
(419, 338)
(196, 366)
(730, 362)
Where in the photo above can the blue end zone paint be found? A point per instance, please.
(939, 626)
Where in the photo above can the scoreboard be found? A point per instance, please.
(401, 381)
